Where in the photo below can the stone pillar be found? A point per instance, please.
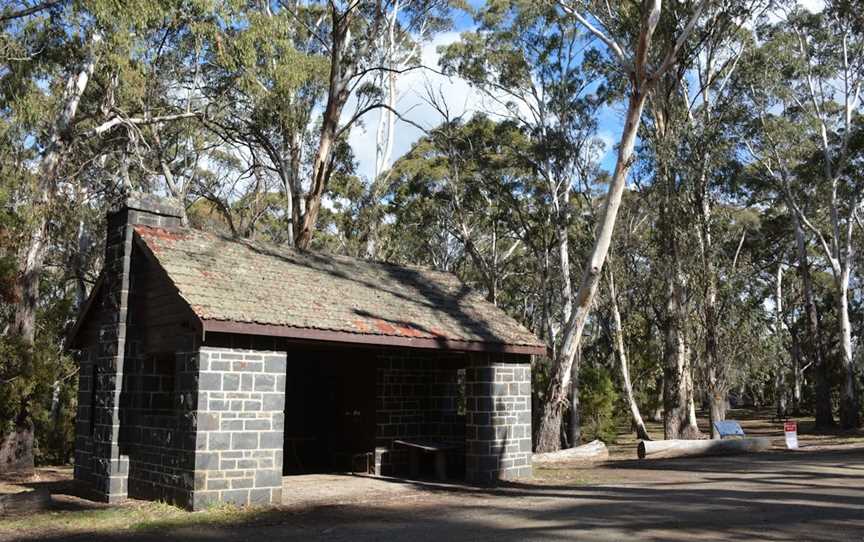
(110, 465)
(240, 420)
(498, 424)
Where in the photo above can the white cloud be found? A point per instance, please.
(412, 87)
(460, 98)
(813, 6)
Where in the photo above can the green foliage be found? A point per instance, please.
(598, 402)
(39, 389)
(485, 196)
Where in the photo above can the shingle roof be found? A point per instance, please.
(228, 280)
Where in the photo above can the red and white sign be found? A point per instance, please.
(791, 431)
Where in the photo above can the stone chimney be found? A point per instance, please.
(103, 378)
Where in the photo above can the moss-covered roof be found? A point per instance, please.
(229, 280)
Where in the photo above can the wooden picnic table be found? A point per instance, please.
(438, 448)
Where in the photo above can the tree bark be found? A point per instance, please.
(717, 404)
(688, 448)
(677, 385)
(797, 373)
(593, 451)
(635, 414)
(337, 95)
(850, 408)
(548, 435)
(30, 270)
(822, 391)
(574, 426)
(678, 414)
(717, 387)
(384, 135)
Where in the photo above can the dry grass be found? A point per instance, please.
(131, 516)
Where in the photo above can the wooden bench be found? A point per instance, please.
(728, 428)
(438, 448)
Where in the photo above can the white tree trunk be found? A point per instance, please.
(548, 435)
(30, 270)
(635, 414)
(850, 408)
(688, 448)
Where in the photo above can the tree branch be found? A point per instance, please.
(29, 11)
(367, 109)
(679, 43)
(136, 121)
(623, 59)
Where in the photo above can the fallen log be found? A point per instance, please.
(593, 451)
(25, 502)
(687, 448)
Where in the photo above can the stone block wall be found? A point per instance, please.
(416, 397)
(498, 425)
(240, 419)
(83, 467)
(111, 345)
(202, 428)
(157, 426)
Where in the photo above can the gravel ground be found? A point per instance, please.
(807, 495)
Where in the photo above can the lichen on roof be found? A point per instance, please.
(234, 280)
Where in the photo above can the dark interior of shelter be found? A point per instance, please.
(344, 402)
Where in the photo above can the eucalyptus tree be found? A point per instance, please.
(399, 50)
(463, 177)
(299, 75)
(529, 61)
(70, 79)
(623, 358)
(642, 65)
(808, 114)
(50, 153)
(635, 304)
(692, 119)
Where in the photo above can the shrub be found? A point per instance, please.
(598, 398)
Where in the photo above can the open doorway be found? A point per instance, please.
(329, 411)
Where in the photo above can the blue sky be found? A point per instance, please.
(460, 98)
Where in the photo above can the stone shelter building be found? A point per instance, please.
(212, 366)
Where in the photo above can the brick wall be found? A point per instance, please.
(240, 420)
(498, 426)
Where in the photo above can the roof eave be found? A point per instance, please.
(72, 335)
(324, 335)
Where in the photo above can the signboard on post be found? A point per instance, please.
(791, 431)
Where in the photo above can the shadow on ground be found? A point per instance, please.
(815, 496)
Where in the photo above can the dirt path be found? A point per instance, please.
(773, 496)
